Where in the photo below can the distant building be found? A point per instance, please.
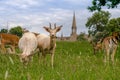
(73, 36)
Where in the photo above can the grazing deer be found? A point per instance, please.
(47, 44)
(110, 44)
(8, 39)
(27, 44)
(97, 47)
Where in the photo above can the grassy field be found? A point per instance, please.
(73, 61)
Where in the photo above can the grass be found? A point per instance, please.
(73, 61)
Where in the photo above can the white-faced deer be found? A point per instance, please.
(47, 44)
(109, 45)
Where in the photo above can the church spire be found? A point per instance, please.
(74, 28)
(74, 21)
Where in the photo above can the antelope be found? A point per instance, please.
(97, 47)
(109, 45)
(27, 44)
(47, 44)
(8, 39)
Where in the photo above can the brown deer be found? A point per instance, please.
(47, 44)
(8, 39)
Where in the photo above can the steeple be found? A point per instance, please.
(74, 28)
(74, 21)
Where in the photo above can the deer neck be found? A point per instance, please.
(52, 42)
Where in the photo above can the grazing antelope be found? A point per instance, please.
(8, 39)
(47, 44)
(110, 44)
(97, 47)
(27, 44)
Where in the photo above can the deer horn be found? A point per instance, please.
(50, 25)
(55, 25)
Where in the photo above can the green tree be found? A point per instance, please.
(16, 30)
(113, 25)
(98, 4)
(97, 23)
(3, 31)
(81, 37)
(118, 20)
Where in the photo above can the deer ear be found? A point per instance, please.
(46, 28)
(58, 28)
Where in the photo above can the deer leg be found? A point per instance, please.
(43, 56)
(13, 49)
(52, 58)
(3, 48)
(39, 54)
(113, 54)
(107, 55)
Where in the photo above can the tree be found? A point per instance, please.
(97, 22)
(118, 20)
(81, 37)
(97, 25)
(98, 4)
(16, 30)
(113, 25)
(3, 31)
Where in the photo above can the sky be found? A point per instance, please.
(35, 14)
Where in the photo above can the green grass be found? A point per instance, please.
(73, 61)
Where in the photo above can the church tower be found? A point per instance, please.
(73, 36)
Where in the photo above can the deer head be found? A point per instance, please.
(117, 35)
(53, 31)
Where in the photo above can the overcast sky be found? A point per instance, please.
(34, 14)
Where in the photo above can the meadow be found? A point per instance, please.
(73, 61)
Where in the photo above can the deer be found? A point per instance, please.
(47, 44)
(27, 44)
(8, 39)
(109, 45)
(97, 46)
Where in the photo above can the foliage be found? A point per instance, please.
(81, 37)
(3, 31)
(73, 61)
(97, 4)
(97, 23)
(113, 25)
(16, 30)
(100, 25)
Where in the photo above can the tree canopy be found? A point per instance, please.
(3, 31)
(100, 25)
(16, 30)
(97, 22)
(98, 4)
(113, 25)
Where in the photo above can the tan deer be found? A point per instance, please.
(47, 44)
(109, 45)
(97, 47)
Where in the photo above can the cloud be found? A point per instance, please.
(81, 3)
(114, 12)
(34, 14)
(21, 4)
